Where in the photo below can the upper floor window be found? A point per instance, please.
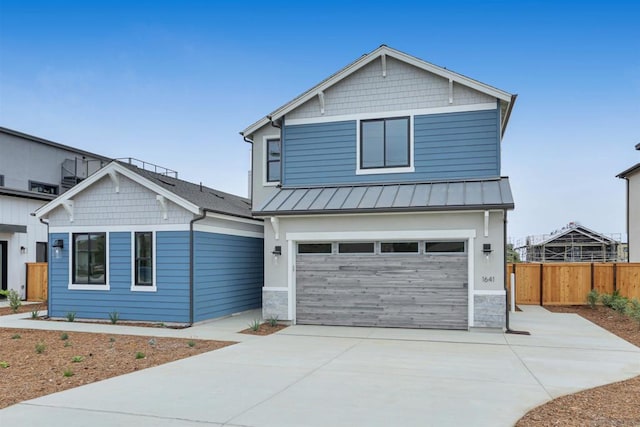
(384, 143)
(143, 259)
(89, 259)
(41, 187)
(273, 149)
(1, 180)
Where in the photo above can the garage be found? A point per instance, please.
(408, 284)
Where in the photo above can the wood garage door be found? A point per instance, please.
(403, 291)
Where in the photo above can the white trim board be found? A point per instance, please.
(227, 231)
(382, 235)
(116, 228)
(396, 113)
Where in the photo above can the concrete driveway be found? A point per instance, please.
(334, 376)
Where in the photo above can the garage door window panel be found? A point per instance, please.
(356, 248)
(314, 248)
(444, 247)
(399, 247)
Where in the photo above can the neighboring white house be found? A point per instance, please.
(385, 205)
(632, 176)
(33, 171)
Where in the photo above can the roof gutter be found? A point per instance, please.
(507, 114)
(377, 210)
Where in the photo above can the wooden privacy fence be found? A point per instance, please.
(37, 281)
(569, 283)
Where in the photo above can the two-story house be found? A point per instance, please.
(33, 171)
(383, 200)
(632, 177)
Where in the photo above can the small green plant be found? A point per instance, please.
(191, 343)
(14, 299)
(77, 359)
(64, 336)
(254, 325)
(619, 304)
(68, 344)
(112, 339)
(140, 355)
(71, 316)
(606, 300)
(592, 298)
(4, 364)
(114, 316)
(152, 342)
(16, 336)
(40, 347)
(67, 373)
(273, 321)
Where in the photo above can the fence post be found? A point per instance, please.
(615, 276)
(592, 284)
(541, 282)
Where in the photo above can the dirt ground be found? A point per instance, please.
(24, 308)
(71, 359)
(615, 404)
(264, 329)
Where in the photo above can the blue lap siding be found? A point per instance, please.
(169, 304)
(463, 145)
(228, 274)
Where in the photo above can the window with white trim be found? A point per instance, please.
(385, 143)
(273, 157)
(356, 248)
(143, 259)
(314, 248)
(444, 247)
(41, 187)
(89, 259)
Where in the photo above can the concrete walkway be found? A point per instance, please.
(340, 376)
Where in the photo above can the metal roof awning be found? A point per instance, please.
(377, 198)
(11, 228)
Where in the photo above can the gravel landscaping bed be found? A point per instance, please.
(616, 404)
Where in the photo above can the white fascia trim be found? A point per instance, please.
(265, 138)
(381, 235)
(86, 287)
(235, 218)
(366, 59)
(404, 169)
(397, 113)
(500, 292)
(142, 288)
(275, 288)
(110, 168)
(336, 215)
(228, 231)
(117, 228)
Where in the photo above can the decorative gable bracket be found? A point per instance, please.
(163, 205)
(68, 206)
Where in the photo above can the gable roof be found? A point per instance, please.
(505, 98)
(52, 144)
(192, 197)
(574, 227)
(406, 197)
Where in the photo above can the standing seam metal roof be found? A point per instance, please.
(451, 195)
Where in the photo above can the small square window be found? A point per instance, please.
(384, 143)
(314, 248)
(444, 247)
(399, 247)
(356, 248)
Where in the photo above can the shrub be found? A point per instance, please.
(14, 299)
(619, 304)
(606, 299)
(71, 316)
(255, 325)
(16, 336)
(191, 343)
(114, 316)
(77, 359)
(140, 355)
(64, 336)
(4, 364)
(40, 348)
(273, 321)
(35, 314)
(592, 298)
(67, 373)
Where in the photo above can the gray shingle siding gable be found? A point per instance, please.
(405, 87)
(447, 146)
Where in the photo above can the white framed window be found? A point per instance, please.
(444, 247)
(41, 187)
(399, 247)
(89, 261)
(385, 145)
(143, 261)
(315, 248)
(272, 160)
(356, 248)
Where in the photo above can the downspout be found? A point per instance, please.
(504, 272)
(628, 235)
(191, 260)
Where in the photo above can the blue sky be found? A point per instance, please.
(174, 82)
